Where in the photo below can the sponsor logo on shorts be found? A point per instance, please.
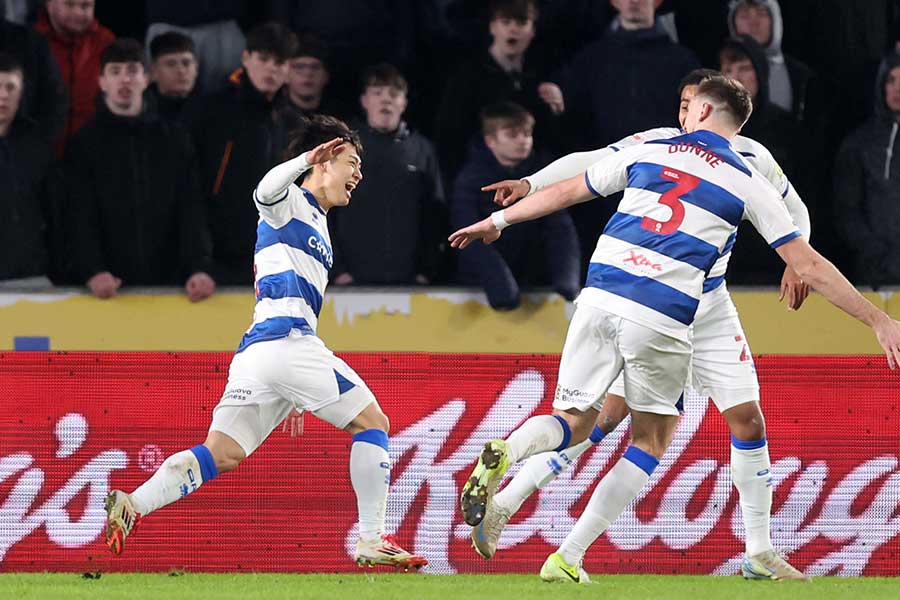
(572, 396)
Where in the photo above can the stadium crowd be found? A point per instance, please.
(127, 162)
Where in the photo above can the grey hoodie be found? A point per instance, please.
(780, 89)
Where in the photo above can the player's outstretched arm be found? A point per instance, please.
(273, 185)
(554, 198)
(824, 277)
(510, 191)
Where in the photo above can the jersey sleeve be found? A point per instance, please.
(277, 211)
(657, 133)
(610, 175)
(768, 214)
(275, 192)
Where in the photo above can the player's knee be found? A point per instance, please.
(580, 425)
(746, 421)
(226, 456)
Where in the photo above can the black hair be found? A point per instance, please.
(171, 42)
(273, 38)
(695, 77)
(319, 129)
(10, 62)
(309, 44)
(384, 74)
(520, 10)
(123, 50)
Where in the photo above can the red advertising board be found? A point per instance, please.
(72, 425)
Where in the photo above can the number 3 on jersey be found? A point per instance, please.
(672, 198)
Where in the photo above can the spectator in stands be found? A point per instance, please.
(213, 27)
(25, 159)
(789, 79)
(357, 33)
(393, 231)
(307, 79)
(173, 68)
(626, 81)
(752, 263)
(743, 59)
(44, 99)
(546, 251)
(134, 210)
(499, 74)
(76, 40)
(867, 185)
(239, 133)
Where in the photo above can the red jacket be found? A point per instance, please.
(79, 63)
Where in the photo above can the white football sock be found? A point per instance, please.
(538, 471)
(536, 435)
(370, 475)
(751, 474)
(614, 492)
(178, 476)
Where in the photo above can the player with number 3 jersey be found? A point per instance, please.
(684, 199)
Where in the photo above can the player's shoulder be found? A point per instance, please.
(751, 149)
(657, 133)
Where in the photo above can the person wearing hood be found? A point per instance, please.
(240, 133)
(545, 251)
(393, 231)
(788, 79)
(867, 185)
(134, 212)
(744, 60)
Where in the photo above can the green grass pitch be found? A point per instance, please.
(410, 586)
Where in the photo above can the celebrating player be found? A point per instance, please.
(281, 365)
(684, 198)
(722, 365)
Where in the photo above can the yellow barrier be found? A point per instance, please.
(377, 320)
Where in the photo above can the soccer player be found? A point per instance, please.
(281, 365)
(722, 365)
(684, 198)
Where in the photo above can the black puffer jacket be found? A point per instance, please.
(867, 190)
(239, 135)
(133, 206)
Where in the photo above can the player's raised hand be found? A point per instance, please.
(484, 230)
(325, 152)
(793, 288)
(508, 191)
(887, 331)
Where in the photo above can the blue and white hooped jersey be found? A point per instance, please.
(684, 199)
(291, 262)
(757, 155)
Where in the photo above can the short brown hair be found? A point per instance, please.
(520, 10)
(384, 74)
(319, 129)
(729, 96)
(504, 115)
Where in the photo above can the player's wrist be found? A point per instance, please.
(498, 218)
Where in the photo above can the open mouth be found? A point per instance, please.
(349, 186)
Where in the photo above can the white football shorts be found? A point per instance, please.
(269, 379)
(722, 365)
(600, 345)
